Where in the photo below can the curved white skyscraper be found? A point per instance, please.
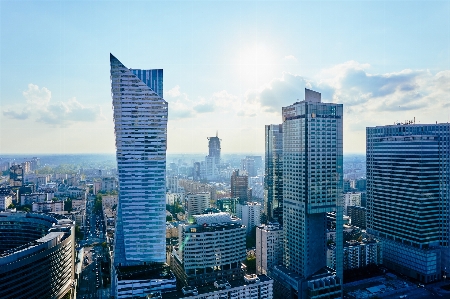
(140, 125)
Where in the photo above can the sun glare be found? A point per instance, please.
(257, 64)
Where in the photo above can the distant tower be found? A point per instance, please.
(239, 187)
(214, 148)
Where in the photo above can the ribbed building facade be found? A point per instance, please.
(140, 125)
(36, 255)
(273, 179)
(408, 192)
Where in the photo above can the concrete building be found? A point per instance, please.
(140, 126)
(109, 184)
(211, 168)
(211, 248)
(408, 196)
(269, 247)
(48, 206)
(248, 166)
(312, 186)
(28, 199)
(239, 187)
(250, 214)
(357, 254)
(197, 203)
(5, 200)
(351, 199)
(16, 173)
(357, 216)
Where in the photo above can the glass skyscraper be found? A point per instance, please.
(312, 186)
(273, 179)
(408, 196)
(140, 125)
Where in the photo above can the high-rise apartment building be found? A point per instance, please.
(140, 125)
(197, 203)
(273, 180)
(408, 196)
(250, 214)
(351, 199)
(312, 186)
(269, 247)
(211, 248)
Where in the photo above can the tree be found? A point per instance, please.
(11, 206)
(78, 233)
(251, 238)
(68, 205)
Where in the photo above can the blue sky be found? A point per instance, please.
(229, 66)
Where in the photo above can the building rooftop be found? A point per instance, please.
(204, 289)
(153, 271)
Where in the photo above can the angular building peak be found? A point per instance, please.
(152, 78)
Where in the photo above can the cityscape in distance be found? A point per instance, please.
(227, 150)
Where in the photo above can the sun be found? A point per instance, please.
(256, 64)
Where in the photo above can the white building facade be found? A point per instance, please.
(269, 247)
(197, 203)
(250, 214)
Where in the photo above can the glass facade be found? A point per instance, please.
(312, 182)
(140, 124)
(273, 180)
(408, 169)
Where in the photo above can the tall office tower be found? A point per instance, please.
(408, 196)
(273, 180)
(312, 186)
(214, 148)
(239, 186)
(140, 125)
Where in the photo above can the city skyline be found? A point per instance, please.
(229, 67)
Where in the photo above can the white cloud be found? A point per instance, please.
(40, 108)
(290, 58)
(39, 98)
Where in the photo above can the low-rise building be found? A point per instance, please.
(48, 206)
(357, 254)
